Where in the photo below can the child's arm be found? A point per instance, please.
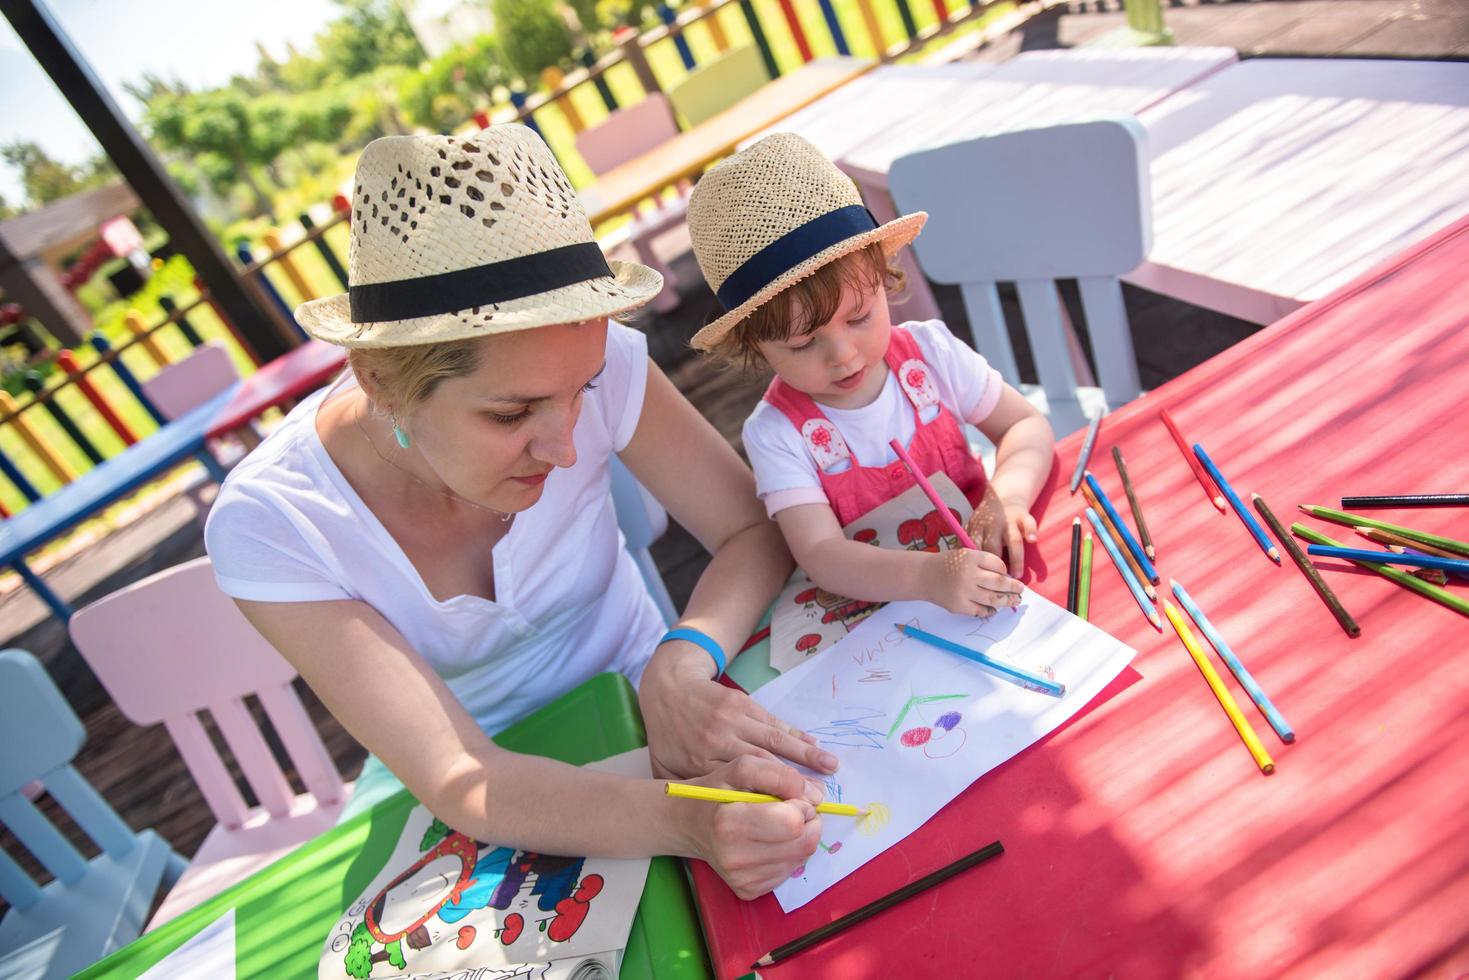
(966, 582)
(1025, 450)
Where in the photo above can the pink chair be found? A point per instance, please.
(173, 645)
(193, 381)
(626, 135)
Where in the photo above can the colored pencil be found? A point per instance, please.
(1408, 500)
(1083, 457)
(1344, 618)
(1216, 684)
(1137, 510)
(1027, 680)
(1427, 589)
(1133, 585)
(1084, 584)
(1414, 536)
(955, 528)
(1111, 531)
(1426, 574)
(886, 902)
(1391, 558)
(1188, 454)
(688, 791)
(1149, 572)
(1075, 565)
(1253, 526)
(1389, 538)
(1246, 679)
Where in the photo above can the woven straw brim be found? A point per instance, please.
(893, 236)
(630, 286)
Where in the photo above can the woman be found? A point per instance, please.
(434, 547)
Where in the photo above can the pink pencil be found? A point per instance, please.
(933, 496)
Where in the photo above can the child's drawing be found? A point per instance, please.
(809, 619)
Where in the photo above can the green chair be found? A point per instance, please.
(712, 88)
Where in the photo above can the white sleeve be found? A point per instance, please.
(257, 555)
(967, 384)
(779, 458)
(624, 383)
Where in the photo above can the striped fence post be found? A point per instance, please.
(553, 78)
(12, 472)
(747, 7)
(136, 326)
(517, 99)
(129, 380)
(874, 27)
(909, 24)
(243, 251)
(62, 417)
(835, 27)
(327, 255)
(637, 59)
(68, 362)
(228, 323)
(716, 29)
(670, 19)
(942, 9)
(185, 327)
(482, 119)
(4, 511)
(798, 33)
(589, 62)
(49, 458)
(287, 265)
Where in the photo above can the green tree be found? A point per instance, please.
(532, 35)
(358, 961)
(46, 179)
(368, 34)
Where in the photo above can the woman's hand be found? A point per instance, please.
(756, 846)
(968, 583)
(1000, 525)
(695, 724)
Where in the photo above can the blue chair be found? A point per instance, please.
(643, 521)
(92, 907)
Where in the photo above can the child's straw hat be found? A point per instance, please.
(465, 237)
(772, 215)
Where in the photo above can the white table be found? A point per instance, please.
(1277, 180)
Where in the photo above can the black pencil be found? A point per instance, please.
(1407, 500)
(1348, 624)
(872, 908)
(1137, 511)
(1075, 565)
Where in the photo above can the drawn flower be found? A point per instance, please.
(808, 595)
(821, 438)
(915, 378)
(911, 531)
(807, 642)
(867, 536)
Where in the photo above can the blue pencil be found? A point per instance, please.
(1123, 529)
(1252, 525)
(1133, 585)
(1392, 558)
(1246, 680)
(1027, 680)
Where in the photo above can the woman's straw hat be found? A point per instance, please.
(772, 215)
(464, 237)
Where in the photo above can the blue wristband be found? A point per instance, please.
(699, 639)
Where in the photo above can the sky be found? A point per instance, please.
(200, 42)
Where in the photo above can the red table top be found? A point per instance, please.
(1141, 839)
(288, 376)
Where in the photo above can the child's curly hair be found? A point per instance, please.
(806, 304)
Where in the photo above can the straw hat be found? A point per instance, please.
(465, 237)
(770, 216)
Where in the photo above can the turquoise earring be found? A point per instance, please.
(400, 435)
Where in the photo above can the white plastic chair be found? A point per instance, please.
(1030, 207)
(173, 645)
(90, 908)
(643, 521)
(626, 135)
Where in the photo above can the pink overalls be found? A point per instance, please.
(938, 444)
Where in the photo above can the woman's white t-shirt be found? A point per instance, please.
(569, 602)
(785, 473)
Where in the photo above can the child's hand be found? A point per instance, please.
(1007, 525)
(969, 583)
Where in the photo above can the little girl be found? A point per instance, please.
(801, 269)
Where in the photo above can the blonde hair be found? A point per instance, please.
(398, 378)
(806, 304)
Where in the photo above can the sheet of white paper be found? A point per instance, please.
(209, 955)
(447, 906)
(913, 725)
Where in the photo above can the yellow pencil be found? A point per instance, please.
(1226, 700)
(689, 792)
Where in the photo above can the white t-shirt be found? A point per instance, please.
(569, 602)
(785, 473)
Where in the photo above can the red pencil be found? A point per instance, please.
(1210, 491)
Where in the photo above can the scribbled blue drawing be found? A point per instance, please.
(947, 720)
(852, 732)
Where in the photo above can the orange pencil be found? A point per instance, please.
(1211, 491)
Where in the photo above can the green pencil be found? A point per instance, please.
(1354, 520)
(1084, 578)
(1407, 581)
